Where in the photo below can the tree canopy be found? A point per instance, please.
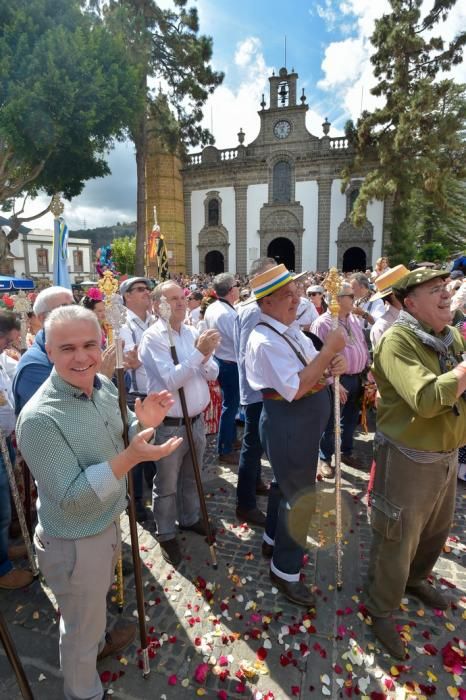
(416, 137)
(66, 91)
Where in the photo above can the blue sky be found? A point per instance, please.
(328, 44)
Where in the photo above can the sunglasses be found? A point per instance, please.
(237, 284)
(139, 289)
(314, 294)
(351, 296)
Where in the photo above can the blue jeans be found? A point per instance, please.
(228, 379)
(349, 419)
(5, 516)
(249, 472)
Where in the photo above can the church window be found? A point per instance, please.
(282, 182)
(213, 217)
(353, 195)
(42, 260)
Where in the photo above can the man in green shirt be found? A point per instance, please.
(421, 422)
(70, 433)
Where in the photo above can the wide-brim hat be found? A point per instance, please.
(270, 281)
(125, 286)
(417, 277)
(386, 280)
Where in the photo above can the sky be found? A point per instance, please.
(328, 45)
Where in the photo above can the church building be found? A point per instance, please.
(279, 196)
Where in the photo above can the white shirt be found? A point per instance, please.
(192, 373)
(306, 313)
(193, 316)
(9, 364)
(7, 410)
(375, 308)
(131, 333)
(383, 323)
(271, 363)
(221, 317)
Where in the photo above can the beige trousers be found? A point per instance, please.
(80, 573)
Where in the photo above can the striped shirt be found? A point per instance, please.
(355, 353)
(67, 439)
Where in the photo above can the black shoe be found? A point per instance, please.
(385, 631)
(171, 551)
(429, 595)
(267, 550)
(199, 528)
(254, 516)
(295, 591)
(141, 512)
(262, 489)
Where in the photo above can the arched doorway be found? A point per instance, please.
(214, 262)
(354, 259)
(282, 249)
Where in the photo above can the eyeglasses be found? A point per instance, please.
(314, 294)
(236, 284)
(139, 289)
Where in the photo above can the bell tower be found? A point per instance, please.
(283, 89)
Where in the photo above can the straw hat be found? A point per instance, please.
(270, 281)
(385, 281)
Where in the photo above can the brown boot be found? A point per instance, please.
(117, 639)
(385, 631)
(17, 551)
(428, 595)
(16, 578)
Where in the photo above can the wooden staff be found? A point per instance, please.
(333, 285)
(18, 504)
(165, 313)
(22, 307)
(116, 314)
(13, 658)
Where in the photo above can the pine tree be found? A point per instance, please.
(416, 137)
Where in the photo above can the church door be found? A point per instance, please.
(354, 260)
(214, 262)
(282, 249)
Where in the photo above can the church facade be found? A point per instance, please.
(280, 196)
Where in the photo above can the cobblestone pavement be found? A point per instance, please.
(252, 642)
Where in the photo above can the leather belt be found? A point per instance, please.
(170, 420)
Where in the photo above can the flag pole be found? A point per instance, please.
(165, 313)
(116, 314)
(332, 284)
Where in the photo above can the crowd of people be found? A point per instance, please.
(264, 349)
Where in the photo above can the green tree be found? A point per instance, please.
(174, 79)
(124, 254)
(66, 92)
(432, 252)
(416, 137)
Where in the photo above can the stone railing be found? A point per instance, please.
(228, 153)
(338, 142)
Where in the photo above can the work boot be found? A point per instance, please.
(262, 489)
(254, 516)
(229, 458)
(351, 461)
(385, 631)
(116, 640)
(428, 595)
(171, 551)
(16, 578)
(267, 550)
(295, 591)
(199, 528)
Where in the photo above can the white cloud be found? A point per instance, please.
(343, 61)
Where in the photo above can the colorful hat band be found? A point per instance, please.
(272, 285)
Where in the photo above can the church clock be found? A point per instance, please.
(282, 129)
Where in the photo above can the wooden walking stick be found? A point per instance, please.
(13, 658)
(116, 314)
(332, 284)
(165, 313)
(22, 306)
(18, 504)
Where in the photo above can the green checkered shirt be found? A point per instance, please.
(67, 439)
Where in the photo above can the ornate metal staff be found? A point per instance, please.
(18, 504)
(116, 314)
(22, 306)
(165, 313)
(332, 284)
(120, 592)
(13, 658)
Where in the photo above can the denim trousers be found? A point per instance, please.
(290, 433)
(174, 494)
(249, 472)
(349, 418)
(228, 379)
(5, 515)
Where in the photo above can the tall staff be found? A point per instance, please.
(22, 307)
(165, 313)
(15, 661)
(116, 314)
(333, 285)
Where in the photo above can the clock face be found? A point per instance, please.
(282, 129)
